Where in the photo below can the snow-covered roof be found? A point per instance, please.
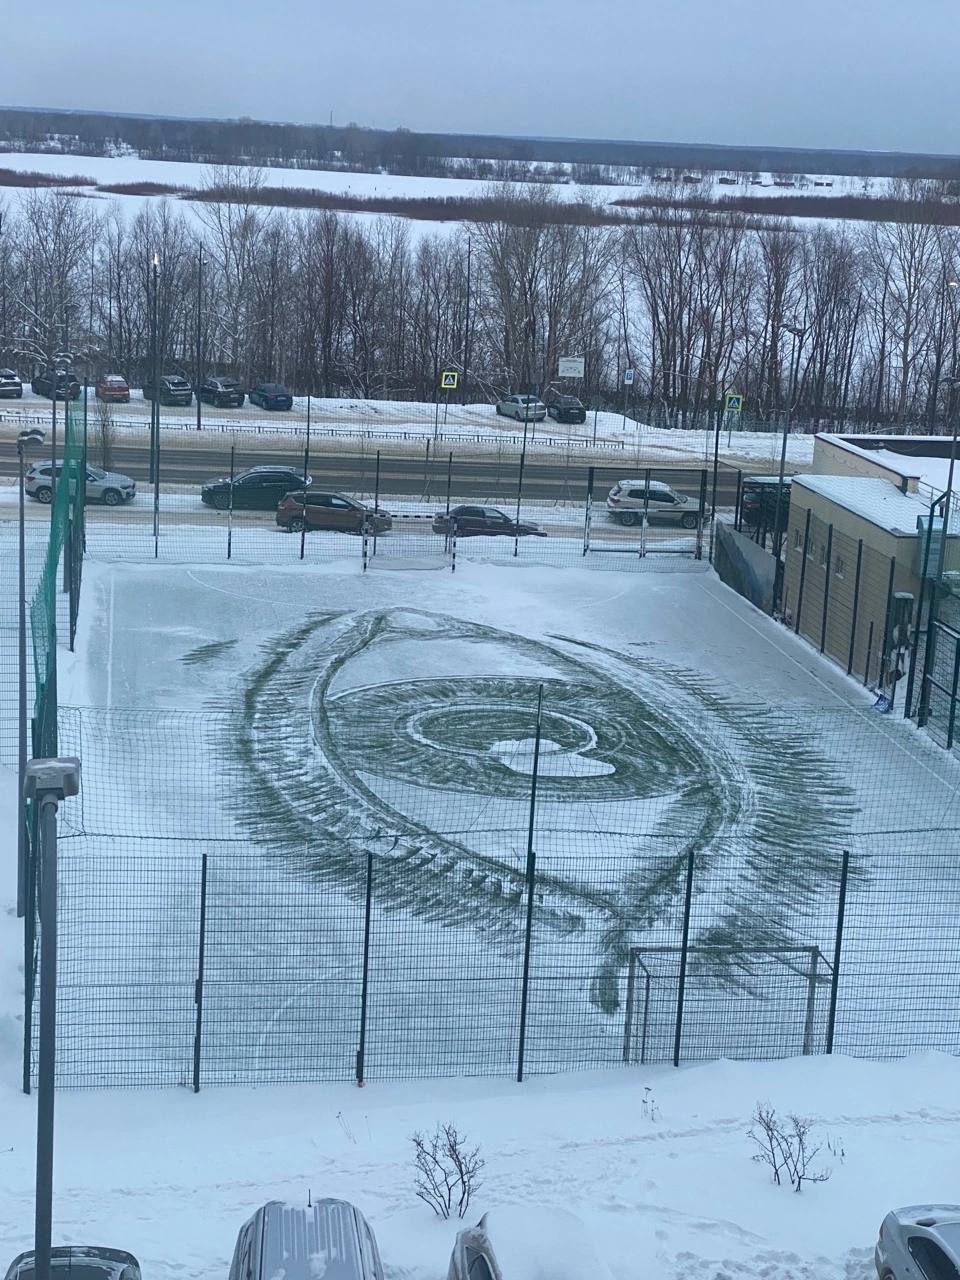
(874, 499)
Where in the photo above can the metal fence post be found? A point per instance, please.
(631, 1000)
(837, 950)
(803, 573)
(856, 608)
(684, 955)
(452, 535)
(365, 977)
(198, 985)
(738, 503)
(376, 501)
(588, 513)
(29, 943)
(951, 723)
(700, 519)
(886, 624)
(826, 589)
(866, 665)
(233, 449)
(531, 888)
(810, 1017)
(915, 651)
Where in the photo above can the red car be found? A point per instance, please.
(332, 511)
(113, 388)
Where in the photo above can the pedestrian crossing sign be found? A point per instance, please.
(733, 402)
(449, 380)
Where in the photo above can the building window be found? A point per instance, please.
(797, 540)
(839, 568)
(823, 555)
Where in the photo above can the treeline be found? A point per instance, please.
(404, 151)
(832, 324)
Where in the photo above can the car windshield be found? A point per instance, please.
(96, 473)
(177, 382)
(115, 380)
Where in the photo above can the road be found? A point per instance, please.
(481, 479)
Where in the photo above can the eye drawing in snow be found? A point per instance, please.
(413, 742)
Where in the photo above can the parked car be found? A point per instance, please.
(629, 499)
(567, 409)
(79, 1262)
(109, 487)
(113, 389)
(271, 395)
(67, 386)
(523, 408)
(473, 521)
(315, 510)
(10, 385)
(225, 393)
(526, 1243)
(921, 1242)
(331, 1240)
(174, 390)
(256, 489)
(758, 502)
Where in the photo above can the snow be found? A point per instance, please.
(654, 1161)
(875, 499)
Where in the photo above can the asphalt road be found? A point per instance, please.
(482, 479)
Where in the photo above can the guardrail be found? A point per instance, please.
(297, 431)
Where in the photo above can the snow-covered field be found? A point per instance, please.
(669, 701)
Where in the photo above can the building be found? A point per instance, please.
(853, 566)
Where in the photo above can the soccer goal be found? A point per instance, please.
(738, 1002)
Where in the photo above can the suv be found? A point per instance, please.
(109, 487)
(10, 384)
(225, 393)
(470, 522)
(256, 489)
(174, 389)
(523, 408)
(567, 409)
(297, 511)
(113, 389)
(67, 387)
(271, 395)
(628, 500)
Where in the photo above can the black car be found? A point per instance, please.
(469, 522)
(57, 384)
(10, 385)
(79, 1262)
(271, 395)
(566, 409)
(758, 503)
(225, 393)
(257, 489)
(174, 389)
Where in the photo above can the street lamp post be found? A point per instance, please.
(46, 784)
(32, 436)
(798, 334)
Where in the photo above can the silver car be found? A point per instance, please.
(330, 1239)
(526, 1242)
(523, 408)
(921, 1242)
(79, 1262)
(629, 500)
(109, 487)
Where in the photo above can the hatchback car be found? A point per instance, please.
(79, 1262)
(921, 1242)
(469, 522)
(257, 489)
(335, 511)
(629, 500)
(567, 409)
(225, 393)
(271, 395)
(523, 408)
(526, 1242)
(57, 384)
(109, 487)
(174, 390)
(330, 1240)
(11, 388)
(113, 389)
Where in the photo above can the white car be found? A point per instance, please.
(921, 1242)
(523, 408)
(526, 1242)
(629, 500)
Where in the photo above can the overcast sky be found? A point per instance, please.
(879, 74)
